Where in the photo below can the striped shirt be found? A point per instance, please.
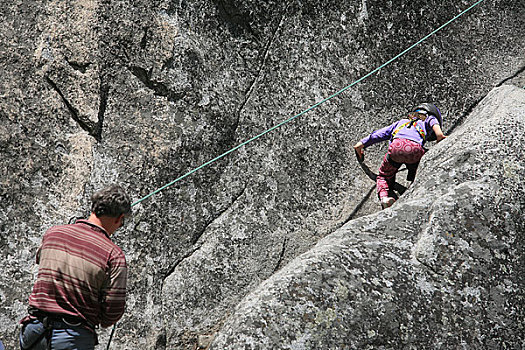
(81, 273)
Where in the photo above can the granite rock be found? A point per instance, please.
(94, 92)
(441, 269)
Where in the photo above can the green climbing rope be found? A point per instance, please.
(298, 115)
(308, 109)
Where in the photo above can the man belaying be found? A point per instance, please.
(407, 138)
(82, 276)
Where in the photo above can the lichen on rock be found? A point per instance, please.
(139, 93)
(441, 268)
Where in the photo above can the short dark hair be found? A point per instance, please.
(110, 201)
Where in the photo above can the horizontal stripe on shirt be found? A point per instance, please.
(81, 273)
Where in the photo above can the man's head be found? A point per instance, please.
(110, 205)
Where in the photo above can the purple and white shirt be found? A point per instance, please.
(405, 133)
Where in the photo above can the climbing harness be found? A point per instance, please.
(361, 162)
(409, 124)
(49, 321)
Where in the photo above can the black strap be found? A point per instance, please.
(68, 319)
(412, 169)
(366, 169)
(393, 162)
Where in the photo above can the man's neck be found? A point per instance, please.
(102, 222)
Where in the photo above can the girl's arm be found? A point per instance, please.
(439, 133)
(375, 137)
(359, 149)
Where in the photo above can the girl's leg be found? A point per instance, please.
(400, 151)
(385, 178)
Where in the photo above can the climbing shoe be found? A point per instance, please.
(387, 202)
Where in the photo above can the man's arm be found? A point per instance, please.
(114, 296)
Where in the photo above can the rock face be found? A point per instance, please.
(94, 92)
(443, 268)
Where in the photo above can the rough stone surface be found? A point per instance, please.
(443, 268)
(97, 91)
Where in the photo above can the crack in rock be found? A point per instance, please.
(469, 110)
(159, 88)
(199, 234)
(430, 267)
(358, 207)
(144, 39)
(265, 55)
(81, 67)
(281, 255)
(178, 262)
(92, 128)
(516, 74)
(196, 238)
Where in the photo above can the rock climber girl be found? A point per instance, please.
(407, 138)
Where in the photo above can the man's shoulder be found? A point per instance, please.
(81, 231)
(67, 228)
(59, 229)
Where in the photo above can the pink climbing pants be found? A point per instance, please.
(400, 151)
